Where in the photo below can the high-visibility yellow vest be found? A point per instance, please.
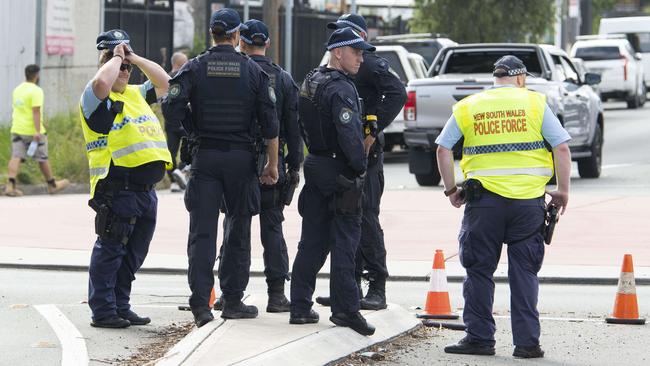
(136, 138)
(503, 147)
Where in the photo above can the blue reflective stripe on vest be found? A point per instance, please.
(519, 146)
(97, 144)
(141, 119)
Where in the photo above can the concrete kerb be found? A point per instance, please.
(399, 278)
(277, 342)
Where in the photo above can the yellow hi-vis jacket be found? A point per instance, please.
(503, 147)
(136, 138)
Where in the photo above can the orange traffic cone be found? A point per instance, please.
(213, 298)
(626, 309)
(438, 305)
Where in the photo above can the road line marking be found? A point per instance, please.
(593, 320)
(73, 345)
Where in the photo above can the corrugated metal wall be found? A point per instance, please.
(18, 37)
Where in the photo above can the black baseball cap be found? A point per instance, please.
(348, 37)
(111, 38)
(228, 18)
(353, 21)
(256, 33)
(509, 65)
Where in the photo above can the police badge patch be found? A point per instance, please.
(174, 90)
(346, 115)
(272, 94)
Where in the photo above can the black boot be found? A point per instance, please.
(376, 297)
(325, 300)
(466, 347)
(304, 318)
(238, 310)
(202, 316)
(113, 321)
(356, 321)
(134, 318)
(528, 352)
(278, 302)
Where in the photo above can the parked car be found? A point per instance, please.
(637, 31)
(620, 67)
(407, 66)
(425, 44)
(463, 70)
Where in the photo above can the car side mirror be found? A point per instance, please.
(591, 78)
(638, 56)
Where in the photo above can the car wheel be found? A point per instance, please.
(643, 96)
(428, 180)
(633, 100)
(591, 167)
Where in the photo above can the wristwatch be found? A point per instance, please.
(451, 191)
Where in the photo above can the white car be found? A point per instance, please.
(406, 66)
(637, 31)
(621, 69)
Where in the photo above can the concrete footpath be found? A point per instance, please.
(57, 232)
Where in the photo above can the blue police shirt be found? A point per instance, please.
(552, 130)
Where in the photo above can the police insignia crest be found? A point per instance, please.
(346, 115)
(174, 90)
(272, 94)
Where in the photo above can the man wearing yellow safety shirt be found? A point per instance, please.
(28, 134)
(506, 165)
(127, 155)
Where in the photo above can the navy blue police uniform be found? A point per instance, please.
(383, 96)
(231, 102)
(276, 259)
(175, 134)
(129, 194)
(330, 201)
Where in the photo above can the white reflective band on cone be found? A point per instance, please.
(438, 282)
(626, 283)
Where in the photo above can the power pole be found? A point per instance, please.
(270, 15)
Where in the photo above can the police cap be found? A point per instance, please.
(256, 34)
(109, 39)
(353, 21)
(348, 37)
(509, 65)
(227, 18)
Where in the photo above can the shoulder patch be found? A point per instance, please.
(345, 115)
(174, 90)
(382, 63)
(272, 94)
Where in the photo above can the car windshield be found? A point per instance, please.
(483, 62)
(428, 51)
(640, 41)
(598, 53)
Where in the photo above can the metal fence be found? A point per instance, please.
(150, 25)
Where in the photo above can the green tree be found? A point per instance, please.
(467, 21)
(598, 8)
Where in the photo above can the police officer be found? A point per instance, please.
(175, 134)
(383, 96)
(127, 154)
(254, 41)
(506, 166)
(330, 201)
(231, 100)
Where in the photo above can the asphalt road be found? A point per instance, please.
(573, 329)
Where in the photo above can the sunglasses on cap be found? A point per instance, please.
(126, 67)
